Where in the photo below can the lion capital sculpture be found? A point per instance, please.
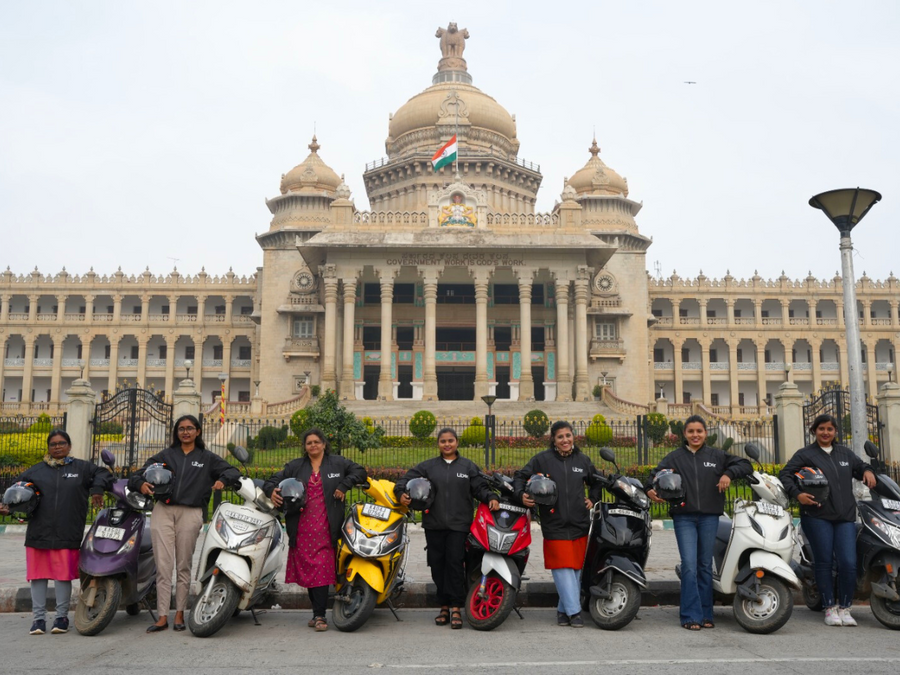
(453, 40)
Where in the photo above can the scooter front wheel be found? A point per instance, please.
(91, 620)
(812, 597)
(620, 608)
(770, 612)
(886, 611)
(487, 609)
(353, 607)
(213, 610)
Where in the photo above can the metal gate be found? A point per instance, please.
(134, 424)
(836, 402)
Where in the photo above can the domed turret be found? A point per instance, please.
(312, 175)
(595, 178)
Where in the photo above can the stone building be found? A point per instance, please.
(451, 287)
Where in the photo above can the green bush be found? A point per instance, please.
(598, 433)
(536, 423)
(43, 425)
(598, 419)
(597, 391)
(299, 422)
(315, 390)
(268, 438)
(110, 427)
(422, 424)
(657, 427)
(341, 427)
(677, 429)
(474, 434)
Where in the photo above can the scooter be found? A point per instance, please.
(242, 553)
(752, 556)
(612, 575)
(497, 551)
(877, 549)
(116, 560)
(371, 557)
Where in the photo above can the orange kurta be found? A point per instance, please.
(564, 553)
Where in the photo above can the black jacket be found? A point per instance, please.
(840, 468)
(700, 473)
(454, 485)
(568, 519)
(195, 473)
(338, 473)
(61, 515)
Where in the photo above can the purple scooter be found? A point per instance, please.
(117, 563)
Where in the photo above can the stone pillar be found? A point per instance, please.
(895, 314)
(88, 308)
(226, 365)
(385, 381)
(348, 384)
(229, 309)
(60, 317)
(563, 376)
(866, 320)
(117, 311)
(789, 408)
(871, 372)
(845, 370)
(32, 308)
(482, 278)
(677, 365)
(142, 358)
(145, 310)
(704, 372)
(757, 312)
(703, 319)
(56, 372)
(733, 374)
(889, 416)
(113, 373)
(80, 408)
(676, 311)
(785, 313)
(186, 400)
(761, 372)
(430, 283)
(170, 362)
(813, 303)
(526, 382)
(28, 373)
(329, 338)
(173, 312)
(815, 347)
(201, 312)
(6, 299)
(729, 308)
(582, 295)
(662, 406)
(198, 362)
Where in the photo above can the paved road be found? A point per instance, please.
(653, 644)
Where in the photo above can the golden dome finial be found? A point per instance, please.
(314, 146)
(594, 149)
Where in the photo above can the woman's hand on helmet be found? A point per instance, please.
(527, 501)
(807, 499)
(405, 499)
(654, 497)
(724, 482)
(869, 479)
(276, 497)
(147, 489)
(339, 495)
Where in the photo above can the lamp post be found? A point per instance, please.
(490, 447)
(787, 372)
(890, 369)
(222, 378)
(845, 208)
(256, 384)
(188, 364)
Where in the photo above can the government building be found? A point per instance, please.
(450, 288)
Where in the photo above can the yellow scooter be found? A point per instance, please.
(371, 557)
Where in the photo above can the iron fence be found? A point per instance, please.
(23, 442)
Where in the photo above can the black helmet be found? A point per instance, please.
(421, 494)
(812, 481)
(541, 489)
(23, 498)
(293, 492)
(161, 477)
(668, 486)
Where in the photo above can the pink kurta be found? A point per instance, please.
(59, 564)
(311, 564)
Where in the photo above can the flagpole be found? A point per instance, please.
(457, 132)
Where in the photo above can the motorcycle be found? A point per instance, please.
(752, 555)
(241, 555)
(496, 554)
(612, 575)
(116, 561)
(877, 550)
(371, 557)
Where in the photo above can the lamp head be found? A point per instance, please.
(489, 400)
(845, 208)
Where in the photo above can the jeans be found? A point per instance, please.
(39, 598)
(696, 537)
(568, 585)
(832, 541)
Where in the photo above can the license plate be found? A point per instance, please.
(890, 504)
(770, 509)
(116, 533)
(513, 508)
(375, 511)
(624, 512)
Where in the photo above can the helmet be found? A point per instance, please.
(812, 481)
(22, 497)
(421, 493)
(668, 486)
(541, 489)
(293, 492)
(161, 477)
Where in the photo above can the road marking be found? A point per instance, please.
(630, 662)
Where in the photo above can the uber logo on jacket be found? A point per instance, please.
(70, 475)
(709, 465)
(462, 475)
(844, 463)
(577, 469)
(334, 475)
(197, 464)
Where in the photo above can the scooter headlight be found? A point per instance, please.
(256, 537)
(779, 496)
(127, 546)
(888, 532)
(634, 493)
(221, 526)
(501, 542)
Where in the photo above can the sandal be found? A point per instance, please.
(321, 624)
(456, 619)
(708, 623)
(312, 622)
(443, 618)
(691, 626)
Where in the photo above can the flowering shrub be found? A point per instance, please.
(598, 433)
(474, 434)
(422, 424)
(536, 423)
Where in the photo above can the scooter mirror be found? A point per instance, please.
(240, 454)
(752, 451)
(608, 455)
(871, 449)
(108, 458)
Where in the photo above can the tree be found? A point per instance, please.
(341, 427)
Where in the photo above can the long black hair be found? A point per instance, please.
(176, 441)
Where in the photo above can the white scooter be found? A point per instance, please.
(242, 553)
(751, 561)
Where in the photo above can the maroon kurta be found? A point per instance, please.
(311, 564)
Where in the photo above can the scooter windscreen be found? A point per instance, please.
(886, 487)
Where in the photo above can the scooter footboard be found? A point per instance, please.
(505, 567)
(626, 566)
(764, 560)
(369, 571)
(235, 568)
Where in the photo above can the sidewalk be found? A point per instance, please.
(537, 590)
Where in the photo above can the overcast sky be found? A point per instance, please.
(136, 133)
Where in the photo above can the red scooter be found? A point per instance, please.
(497, 552)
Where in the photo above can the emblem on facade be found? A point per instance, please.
(457, 213)
(605, 283)
(303, 282)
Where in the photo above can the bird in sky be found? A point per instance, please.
(689, 82)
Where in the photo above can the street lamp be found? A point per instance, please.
(787, 372)
(890, 369)
(256, 384)
(490, 447)
(845, 208)
(222, 378)
(306, 377)
(188, 364)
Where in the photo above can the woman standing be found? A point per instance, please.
(455, 481)
(55, 531)
(564, 525)
(830, 526)
(706, 474)
(177, 518)
(313, 533)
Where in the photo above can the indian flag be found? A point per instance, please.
(446, 154)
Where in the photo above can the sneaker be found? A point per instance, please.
(39, 627)
(60, 625)
(576, 621)
(833, 617)
(846, 619)
(562, 619)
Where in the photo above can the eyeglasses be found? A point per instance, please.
(185, 430)
(60, 444)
